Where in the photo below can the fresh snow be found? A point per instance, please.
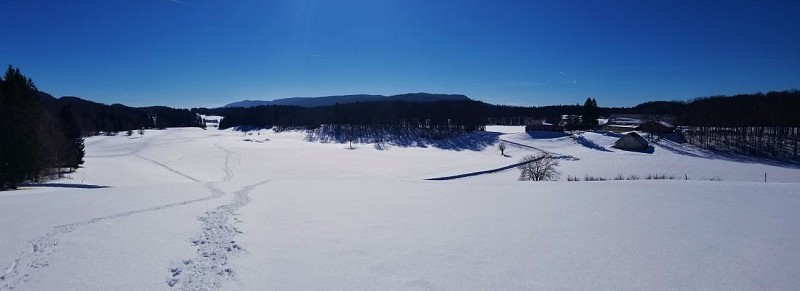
(193, 209)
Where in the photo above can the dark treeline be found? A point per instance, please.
(759, 124)
(165, 117)
(35, 143)
(428, 119)
(95, 118)
(511, 115)
(771, 109)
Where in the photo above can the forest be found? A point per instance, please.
(36, 143)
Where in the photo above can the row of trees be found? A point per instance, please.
(35, 143)
(426, 118)
(758, 124)
(96, 118)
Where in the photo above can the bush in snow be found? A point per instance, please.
(502, 148)
(592, 178)
(538, 168)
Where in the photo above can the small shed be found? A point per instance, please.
(631, 141)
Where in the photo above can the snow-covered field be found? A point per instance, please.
(191, 209)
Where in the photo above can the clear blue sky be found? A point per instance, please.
(191, 53)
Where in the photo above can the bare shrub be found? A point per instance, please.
(592, 178)
(619, 177)
(502, 148)
(573, 179)
(538, 168)
(659, 177)
(632, 177)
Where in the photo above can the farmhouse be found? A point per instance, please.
(631, 141)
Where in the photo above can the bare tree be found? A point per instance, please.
(538, 168)
(502, 148)
(141, 131)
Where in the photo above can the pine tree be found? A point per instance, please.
(74, 146)
(590, 114)
(19, 107)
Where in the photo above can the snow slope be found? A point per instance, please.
(192, 209)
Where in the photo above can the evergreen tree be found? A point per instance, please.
(74, 146)
(590, 114)
(20, 113)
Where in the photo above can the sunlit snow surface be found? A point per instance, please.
(192, 209)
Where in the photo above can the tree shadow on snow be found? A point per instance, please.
(580, 139)
(546, 134)
(473, 141)
(648, 150)
(697, 152)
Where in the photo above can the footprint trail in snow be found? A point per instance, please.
(215, 246)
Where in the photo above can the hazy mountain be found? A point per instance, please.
(343, 99)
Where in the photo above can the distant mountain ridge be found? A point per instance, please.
(343, 99)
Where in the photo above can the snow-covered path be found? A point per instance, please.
(188, 209)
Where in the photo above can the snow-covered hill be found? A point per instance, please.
(194, 209)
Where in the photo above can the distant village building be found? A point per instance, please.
(540, 125)
(631, 141)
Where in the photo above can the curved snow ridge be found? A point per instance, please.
(40, 250)
(215, 245)
(483, 172)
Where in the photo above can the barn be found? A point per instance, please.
(631, 141)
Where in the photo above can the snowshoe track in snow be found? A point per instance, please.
(40, 250)
(227, 167)
(215, 245)
(169, 169)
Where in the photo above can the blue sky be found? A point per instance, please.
(191, 53)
